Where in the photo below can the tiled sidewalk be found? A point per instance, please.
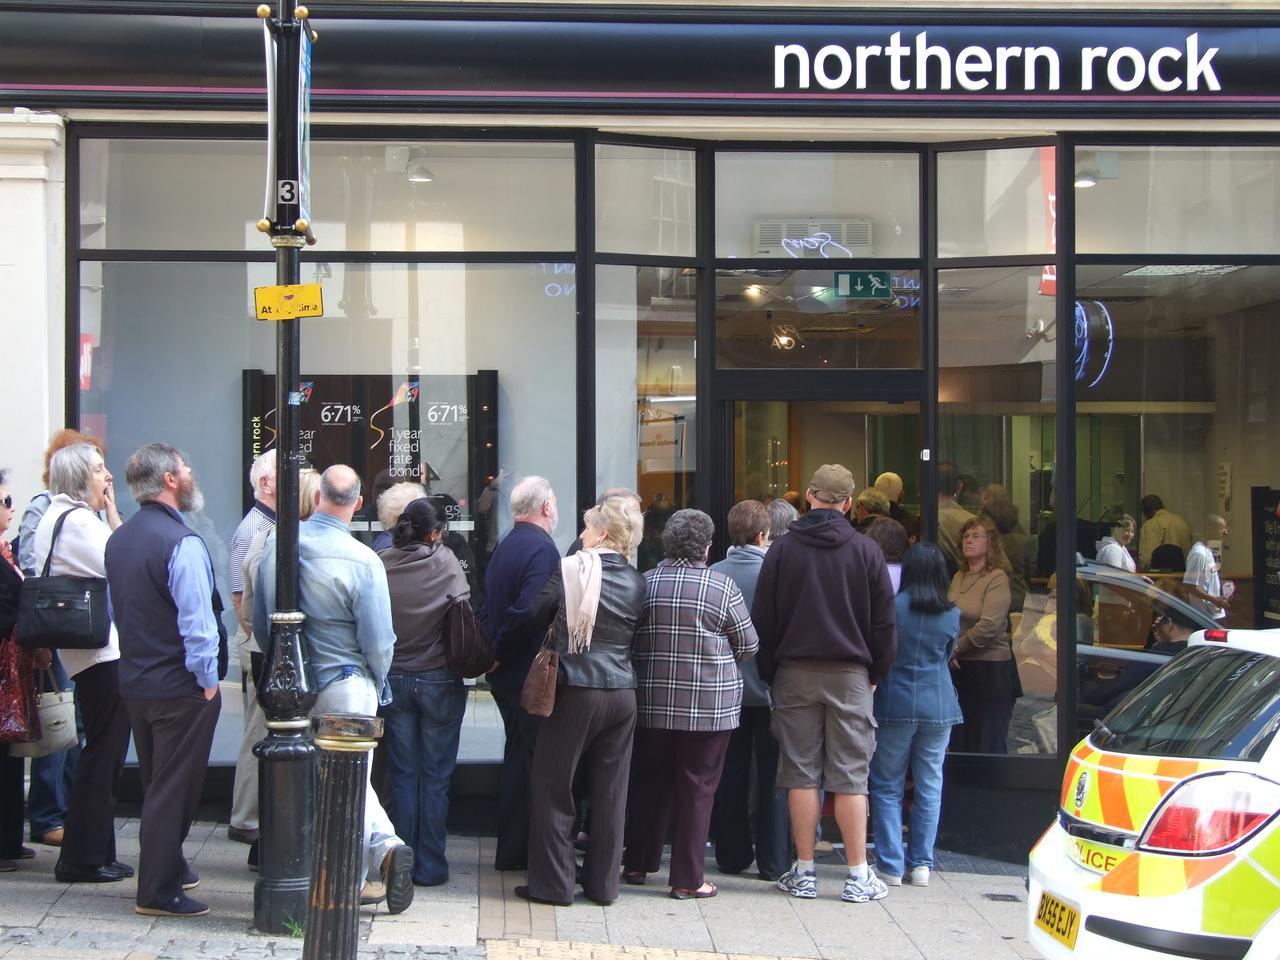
(978, 911)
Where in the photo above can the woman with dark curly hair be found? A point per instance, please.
(424, 718)
(695, 629)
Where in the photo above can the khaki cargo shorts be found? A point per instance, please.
(823, 722)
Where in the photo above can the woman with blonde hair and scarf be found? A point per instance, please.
(593, 605)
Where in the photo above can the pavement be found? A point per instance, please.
(973, 908)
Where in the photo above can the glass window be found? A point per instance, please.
(645, 200)
(645, 391)
(412, 196)
(817, 205)
(779, 444)
(1177, 199)
(458, 374)
(860, 319)
(996, 202)
(996, 459)
(1174, 395)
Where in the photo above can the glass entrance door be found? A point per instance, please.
(777, 445)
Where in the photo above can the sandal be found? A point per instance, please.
(703, 892)
(634, 877)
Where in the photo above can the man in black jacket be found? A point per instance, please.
(824, 610)
(519, 567)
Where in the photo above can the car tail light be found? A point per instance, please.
(1216, 636)
(1211, 813)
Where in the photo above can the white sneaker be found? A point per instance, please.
(920, 876)
(862, 889)
(801, 885)
(890, 879)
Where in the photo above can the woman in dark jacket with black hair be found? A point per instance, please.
(595, 600)
(424, 718)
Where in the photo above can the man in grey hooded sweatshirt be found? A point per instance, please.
(749, 526)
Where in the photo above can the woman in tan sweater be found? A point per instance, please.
(983, 674)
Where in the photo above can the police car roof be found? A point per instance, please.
(1255, 641)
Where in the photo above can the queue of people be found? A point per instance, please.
(672, 686)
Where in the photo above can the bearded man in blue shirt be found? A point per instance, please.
(172, 655)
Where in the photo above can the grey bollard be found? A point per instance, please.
(338, 862)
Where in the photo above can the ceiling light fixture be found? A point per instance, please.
(1086, 170)
(416, 169)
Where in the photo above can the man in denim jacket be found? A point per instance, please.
(342, 590)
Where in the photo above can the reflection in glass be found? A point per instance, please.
(645, 391)
(817, 205)
(1170, 200)
(1183, 414)
(645, 200)
(483, 195)
(996, 202)
(818, 318)
(996, 460)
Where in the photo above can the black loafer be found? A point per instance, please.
(77, 873)
(123, 869)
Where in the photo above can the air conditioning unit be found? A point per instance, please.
(812, 239)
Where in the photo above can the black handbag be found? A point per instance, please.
(468, 651)
(63, 612)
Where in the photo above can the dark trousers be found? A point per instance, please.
(423, 726)
(173, 738)
(675, 770)
(12, 814)
(592, 729)
(89, 837)
(52, 776)
(731, 820)
(513, 782)
(985, 691)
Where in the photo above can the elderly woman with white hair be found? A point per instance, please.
(72, 540)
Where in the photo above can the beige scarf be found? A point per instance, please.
(581, 574)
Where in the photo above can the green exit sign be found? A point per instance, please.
(862, 285)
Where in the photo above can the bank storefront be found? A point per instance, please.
(698, 253)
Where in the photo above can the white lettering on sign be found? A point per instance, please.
(921, 65)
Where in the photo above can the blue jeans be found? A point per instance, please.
(51, 776)
(423, 725)
(922, 747)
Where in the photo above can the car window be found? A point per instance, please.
(1211, 703)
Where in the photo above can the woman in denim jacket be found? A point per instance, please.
(915, 709)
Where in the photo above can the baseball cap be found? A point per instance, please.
(832, 483)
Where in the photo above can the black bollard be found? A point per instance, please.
(338, 871)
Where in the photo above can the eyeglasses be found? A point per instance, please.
(7, 502)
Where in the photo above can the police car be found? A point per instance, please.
(1167, 839)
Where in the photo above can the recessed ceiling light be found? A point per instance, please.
(1185, 270)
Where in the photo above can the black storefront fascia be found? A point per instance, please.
(509, 61)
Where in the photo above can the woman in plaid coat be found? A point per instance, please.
(695, 629)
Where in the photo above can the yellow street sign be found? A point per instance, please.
(288, 302)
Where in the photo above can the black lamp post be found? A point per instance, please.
(286, 688)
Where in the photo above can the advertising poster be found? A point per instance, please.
(389, 429)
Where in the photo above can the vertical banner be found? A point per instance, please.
(304, 122)
(1049, 177)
